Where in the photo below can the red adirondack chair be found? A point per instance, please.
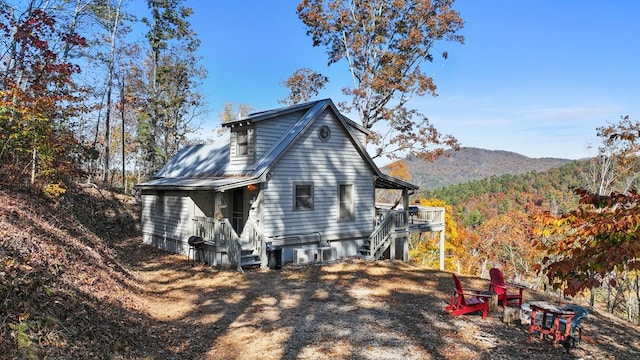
(466, 300)
(501, 288)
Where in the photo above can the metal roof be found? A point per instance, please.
(384, 181)
(200, 167)
(201, 183)
(268, 114)
(209, 160)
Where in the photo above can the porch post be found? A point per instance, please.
(442, 249)
(405, 249)
(405, 206)
(392, 248)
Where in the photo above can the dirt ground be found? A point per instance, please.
(352, 309)
(76, 282)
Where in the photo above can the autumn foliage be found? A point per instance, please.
(38, 95)
(587, 244)
(387, 46)
(599, 240)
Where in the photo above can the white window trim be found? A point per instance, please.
(352, 205)
(295, 196)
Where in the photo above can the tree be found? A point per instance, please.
(303, 85)
(231, 112)
(38, 95)
(427, 251)
(615, 166)
(172, 73)
(601, 238)
(385, 44)
(399, 169)
(113, 21)
(506, 243)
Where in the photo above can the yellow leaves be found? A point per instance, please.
(54, 190)
(399, 170)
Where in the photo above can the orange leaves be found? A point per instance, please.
(385, 42)
(399, 170)
(592, 241)
(39, 95)
(303, 85)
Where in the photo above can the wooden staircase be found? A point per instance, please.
(369, 253)
(252, 246)
(249, 257)
(380, 239)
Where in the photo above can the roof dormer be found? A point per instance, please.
(243, 140)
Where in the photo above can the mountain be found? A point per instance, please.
(473, 164)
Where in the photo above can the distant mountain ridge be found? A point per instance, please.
(471, 163)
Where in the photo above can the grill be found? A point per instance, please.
(196, 246)
(413, 212)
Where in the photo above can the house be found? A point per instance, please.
(293, 184)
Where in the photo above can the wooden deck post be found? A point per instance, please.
(405, 249)
(392, 249)
(442, 249)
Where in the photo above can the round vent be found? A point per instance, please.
(324, 133)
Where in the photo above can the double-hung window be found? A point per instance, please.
(160, 202)
(346, 210)
(303, 196)
(242, 143)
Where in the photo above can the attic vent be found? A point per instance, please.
(324, 133)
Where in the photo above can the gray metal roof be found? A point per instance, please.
(202, 183)
(207, 166)
(210, 160)
(268, 114)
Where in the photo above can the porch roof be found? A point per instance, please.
(199, 183)
(389, 182)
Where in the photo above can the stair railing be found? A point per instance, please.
(228, 235)
(253, 233)
(205, 227)
(383, 231)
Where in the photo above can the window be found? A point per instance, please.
(346, 210)
(242, 143)
(303, 197)
(160, 203)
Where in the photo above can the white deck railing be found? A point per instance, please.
(223, 234)
(425, 214)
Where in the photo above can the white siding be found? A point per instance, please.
(168, 220)
(325, 164)
(241, 161)
(271, 131)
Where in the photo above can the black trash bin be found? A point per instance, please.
(274, 254)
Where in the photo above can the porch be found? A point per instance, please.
(390, 236)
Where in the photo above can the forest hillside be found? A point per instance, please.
(490, 220)
(470, 163)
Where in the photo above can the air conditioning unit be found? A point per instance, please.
(326, 253)
(304, 255)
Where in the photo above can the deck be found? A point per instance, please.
(389, 224)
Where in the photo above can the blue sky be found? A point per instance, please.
(533, 77)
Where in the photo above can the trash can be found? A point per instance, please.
(274, 254)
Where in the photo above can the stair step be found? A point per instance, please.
(251, 263)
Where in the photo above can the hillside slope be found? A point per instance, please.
(66, 291)
(78, 284)
(473, 164)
